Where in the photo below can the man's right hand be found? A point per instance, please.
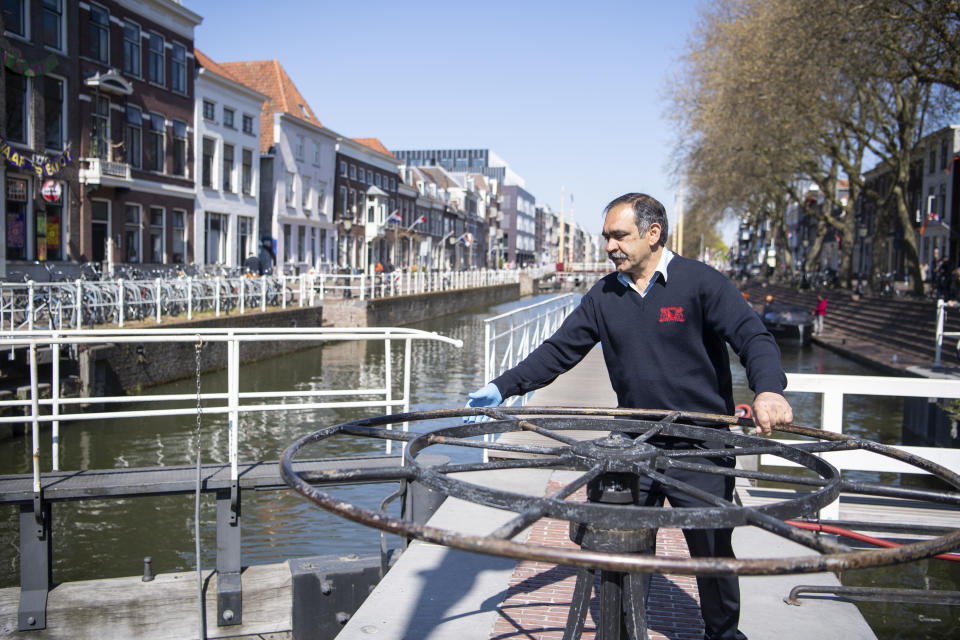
(488, 396)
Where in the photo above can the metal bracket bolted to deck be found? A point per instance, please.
(229, 583)
(35, 565)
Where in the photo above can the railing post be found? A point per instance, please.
(243, 293)
(120, 301)
(363, 286)
(263, 292)
(283, 290)
(303, 288)
(189, 297)
(941, 316)
(55, 397)
(30, 305)
(159, 293)
(388, 386)
(216, 286)
(831, 419)
(78, 318)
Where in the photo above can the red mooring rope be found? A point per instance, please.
(828, 528)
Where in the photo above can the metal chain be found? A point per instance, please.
(199, 350)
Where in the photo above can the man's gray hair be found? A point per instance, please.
(646, 211)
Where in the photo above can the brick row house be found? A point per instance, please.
(136, 108)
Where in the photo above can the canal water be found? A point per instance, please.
(109, 538)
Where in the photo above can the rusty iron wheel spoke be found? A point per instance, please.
(536, 511)
(645, 429)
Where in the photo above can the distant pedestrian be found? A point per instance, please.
(818, 315)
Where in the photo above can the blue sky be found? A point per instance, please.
(568, 93)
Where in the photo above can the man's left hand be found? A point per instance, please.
(770, 410)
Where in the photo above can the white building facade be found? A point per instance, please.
(226, 140)
(302, 162)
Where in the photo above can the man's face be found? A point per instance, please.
(629, 250)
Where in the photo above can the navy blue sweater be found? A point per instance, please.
(665, 350)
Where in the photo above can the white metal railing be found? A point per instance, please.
(233, 402)
(941, 334)
(510, 337)
(833, 389)
(84, 303)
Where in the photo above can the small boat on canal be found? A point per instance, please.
(788, 320)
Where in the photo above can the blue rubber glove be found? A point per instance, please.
(488, 396)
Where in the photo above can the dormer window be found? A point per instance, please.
(303, 110)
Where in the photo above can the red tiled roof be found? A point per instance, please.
(374, 144)
(204, 61)
(269, 78)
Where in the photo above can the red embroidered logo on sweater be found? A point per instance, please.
(671, 314)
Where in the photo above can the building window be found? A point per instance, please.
(178, 68)
(244, 238)
(15, 17)
(53, 24)
(301, 244)
(206, 176)
(227, 167)
(131, 48)
(393, 184)
(343, 168)
(361, 175)
(16, 107)
(933, 160)
(157, 51)
(99, 34)
(376, 179)
(353, 172)
(216, 238)
(248, 124)
(131, 233)
(323, 245)
(133, 138)
(305, 192)
(290, 192)
(247, 172)
(156, 235)
(53, 112)
(99, 127)
(299, 148)
(179, 148)
(228, 117)
(209, 110)
(321, 192)
(316, 153)
(155, 147)
(178, 249)
(943, 154)
(287, 239)
(343, 202)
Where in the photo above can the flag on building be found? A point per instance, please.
(466, 239)
(395, 217)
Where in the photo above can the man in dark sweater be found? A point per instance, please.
(663, 322)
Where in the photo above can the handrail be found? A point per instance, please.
(64, 305)
(229, 402)
(511, 336)
(940, 333)
(833, 388)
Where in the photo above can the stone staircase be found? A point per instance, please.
(902, 329)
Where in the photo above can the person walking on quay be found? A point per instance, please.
(818, 315)
(664, 322)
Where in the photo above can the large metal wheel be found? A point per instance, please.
(641, 443)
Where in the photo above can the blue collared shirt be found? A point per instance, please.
(661, 269)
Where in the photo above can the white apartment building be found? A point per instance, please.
(227, 144)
